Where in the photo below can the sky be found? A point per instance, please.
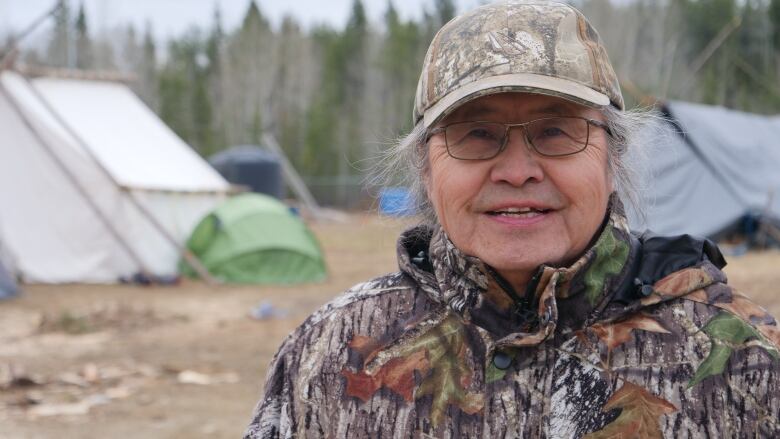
(170, 18)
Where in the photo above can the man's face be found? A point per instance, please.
(477, 201)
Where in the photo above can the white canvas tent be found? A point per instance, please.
(93, 186)
(714, 168)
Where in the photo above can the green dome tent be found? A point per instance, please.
(253, 238)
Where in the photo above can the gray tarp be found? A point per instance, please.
(726, 166)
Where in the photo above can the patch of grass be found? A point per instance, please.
(111, 317)
(69, 324)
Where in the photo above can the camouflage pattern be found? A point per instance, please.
(440, 350)
(550, 44)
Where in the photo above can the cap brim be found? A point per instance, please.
(517, 82)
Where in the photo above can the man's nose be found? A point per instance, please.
(518, 163)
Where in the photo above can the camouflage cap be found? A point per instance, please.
(534, 46)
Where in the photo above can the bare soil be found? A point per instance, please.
(97, 361)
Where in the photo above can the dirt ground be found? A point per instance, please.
(93, 361)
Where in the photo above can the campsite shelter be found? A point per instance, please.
(713, 172)
(253, 238)
(94, 187)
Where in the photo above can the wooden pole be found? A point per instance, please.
(188, 256)
(295, 180)
(11, 47)
(86, 75)
(711, 48)
(765, 229)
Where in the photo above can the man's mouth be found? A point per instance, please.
(518, 212)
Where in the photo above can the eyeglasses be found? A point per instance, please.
(549, 136)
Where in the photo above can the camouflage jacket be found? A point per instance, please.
(595, 350)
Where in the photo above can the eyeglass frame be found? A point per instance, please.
(509, 126)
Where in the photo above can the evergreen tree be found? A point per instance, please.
(774, 20)
(58, 53)
(84, 59)
(214, 73)
(172, 93)
(705, 20)
(335, 120)
(185, 104)
(215, 41)
(445, 11)
(754, 59)
(131, 51)
(248, 77)
(202, 116)
(353, 71)
(147, 70)
(289, 79)
(104, 55)
(400, 61)
(322, 116)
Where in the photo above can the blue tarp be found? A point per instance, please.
(396, 201)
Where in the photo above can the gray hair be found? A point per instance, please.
(405, 163)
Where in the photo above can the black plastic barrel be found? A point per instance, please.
(253, 167)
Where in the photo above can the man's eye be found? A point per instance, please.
(552, 132)
(481, 133)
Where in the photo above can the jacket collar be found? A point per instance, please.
(470, 289)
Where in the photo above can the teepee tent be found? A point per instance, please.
(253, 238)
(94, 187)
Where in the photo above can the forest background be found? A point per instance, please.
(335, 98)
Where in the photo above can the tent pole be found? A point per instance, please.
(16, 39)
(188, 256)
(72, 178)
(766, 230)
(667, 113)
(295, 180)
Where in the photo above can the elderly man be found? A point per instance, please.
(524, 307)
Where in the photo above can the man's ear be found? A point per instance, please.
(610, 177)
(426, 181)
(425, 173)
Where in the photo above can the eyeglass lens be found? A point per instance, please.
(557, 136)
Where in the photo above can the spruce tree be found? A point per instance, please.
(84, 58)
(58, 53)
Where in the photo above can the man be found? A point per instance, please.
(524, 307)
